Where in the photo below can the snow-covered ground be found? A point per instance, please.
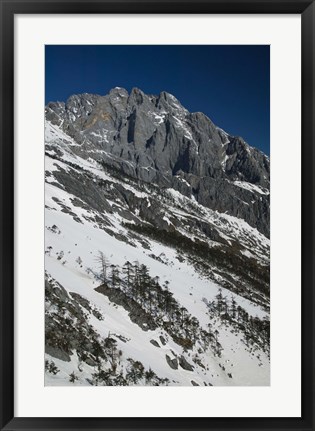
(72, 245)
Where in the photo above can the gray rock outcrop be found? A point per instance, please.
(155, 139)
(173, 363)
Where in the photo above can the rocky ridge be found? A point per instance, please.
(156, 140)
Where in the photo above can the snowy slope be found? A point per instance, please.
(77, 230)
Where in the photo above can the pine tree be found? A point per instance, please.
(129, 274)
(103, 264)
(233, 307)
(115, 279)
(219, 299)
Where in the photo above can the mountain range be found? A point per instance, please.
(156, 246)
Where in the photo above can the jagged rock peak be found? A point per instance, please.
(119, 92)
(153, 138)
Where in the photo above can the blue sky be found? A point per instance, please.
(229, 83)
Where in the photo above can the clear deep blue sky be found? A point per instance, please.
(228, 83)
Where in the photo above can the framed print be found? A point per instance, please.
(157, 215)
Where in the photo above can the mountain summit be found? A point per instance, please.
(156, 140)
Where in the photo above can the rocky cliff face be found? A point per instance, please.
(153, 275)
(156, 140)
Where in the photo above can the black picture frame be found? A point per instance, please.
(8, 10)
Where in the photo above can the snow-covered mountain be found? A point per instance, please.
(156, 246)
